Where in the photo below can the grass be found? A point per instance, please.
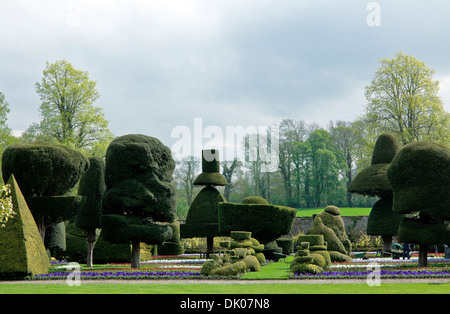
(345, 211)
(260, 288)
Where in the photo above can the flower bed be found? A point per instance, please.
(159, 267)
(389, 268)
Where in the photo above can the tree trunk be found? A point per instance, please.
(90, 253)
(423, 251)
(209, 245)
(91, 237)
(135, 254)
(387, 242)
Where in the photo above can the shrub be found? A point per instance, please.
(234, 269)
(252, 263)
(254, 200)
(43, 169)
(265, 222)
(208, 267)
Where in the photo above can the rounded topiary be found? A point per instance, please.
(254, 200)
(43, 169)
(318, 260)
(305, 269)
(208, 267)
(234, 269)
(252, 263)
(420, 177)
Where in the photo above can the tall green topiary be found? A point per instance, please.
(420, 177)
(93, 187)
(22, 250)
(139, 193)
(46, 172)
(373, 181)
(202, 217)
(330, 225)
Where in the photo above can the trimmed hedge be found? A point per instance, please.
(265, 222)
(43, 169)
(420, 177)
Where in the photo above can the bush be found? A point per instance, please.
(252, 263)
(43, 169)
(208, 267)
(234, 269)
(254, 200)
(265, 222)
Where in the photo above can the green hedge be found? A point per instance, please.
(265, 222)
(43, 169)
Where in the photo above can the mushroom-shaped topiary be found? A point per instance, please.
(373, 181)
(420, 177)
(45, 172)
(140, 197)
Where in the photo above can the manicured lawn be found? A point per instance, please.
(401, 288)
(345, 211)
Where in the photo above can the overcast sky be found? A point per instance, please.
(161, 64)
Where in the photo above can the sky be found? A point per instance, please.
(164, 67)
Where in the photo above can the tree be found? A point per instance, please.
(92, 186)
(68, 115)
(403, 100)
(229, 168)
(6, 137)
(291, 131)
(344, 137)
(420, 178)
(140, 198)
(45, 173)
(326, 163)
(186, 174)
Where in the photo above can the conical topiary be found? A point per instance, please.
(22, 252)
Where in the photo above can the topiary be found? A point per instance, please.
(254, 200)
(140, 194)
(43, 169)
(420, 178)
(45, 172)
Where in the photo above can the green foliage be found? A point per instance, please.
(265, 222)
(68, 115)
(138, 175)
(420, 177)
(254, 200)
(22, 250)
(382, 219)
(43, 169)
(403, 99)
(92, 186)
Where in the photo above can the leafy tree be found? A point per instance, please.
(403, 100)
(229, 168)
(6, 137)
(344, 137)
(185, 174)
(68, 115)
